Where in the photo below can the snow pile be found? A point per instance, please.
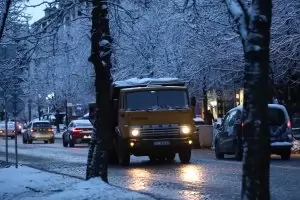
(30, 184)
(296, 146)
(147, 81)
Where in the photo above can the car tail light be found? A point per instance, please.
(289, 125)
(76, 130)
(50, 130)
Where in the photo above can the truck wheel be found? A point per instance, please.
(124, 158)
(112, 157)
(170, 157)
(152, 158)
(185, 156)
(123, 154)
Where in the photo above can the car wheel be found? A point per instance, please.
(185, 156)
(71, 142)
(12, 137)
(51, 141)
(238, 154)
(24, 140)
(218, 153)
(29, 141)
(46, 142)
(65, 144)
(286, 155)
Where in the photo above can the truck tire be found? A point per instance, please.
(185, 156)
(124, 158)
(123, 153)
(170, 157)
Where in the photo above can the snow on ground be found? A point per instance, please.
(31, 184)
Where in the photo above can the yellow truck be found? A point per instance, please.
(152, 117)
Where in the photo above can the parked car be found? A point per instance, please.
(229, 137)
(38, 131)
(10, 130)
(78, 131)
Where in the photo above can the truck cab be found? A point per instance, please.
(152, 117)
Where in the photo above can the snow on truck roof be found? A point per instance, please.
(147, 81)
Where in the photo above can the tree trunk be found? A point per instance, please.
(256, 167)
(4, 17)
(100, 57)
(254, 22)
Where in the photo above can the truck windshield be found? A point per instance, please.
(157, 99)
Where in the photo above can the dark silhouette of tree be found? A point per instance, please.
(253, 20)
(100, 57)
(4, 17)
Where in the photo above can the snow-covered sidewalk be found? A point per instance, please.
(31, 184)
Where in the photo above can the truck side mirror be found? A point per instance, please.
(193, 101)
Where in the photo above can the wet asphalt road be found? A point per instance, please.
(204, 178)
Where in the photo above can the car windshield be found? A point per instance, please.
(276, 116)
(42, 125)
(9, 126)
(157, 99)
(83, 124)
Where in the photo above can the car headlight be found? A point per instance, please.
(185, 130)
(135, 132)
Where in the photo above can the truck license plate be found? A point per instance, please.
(162, 143)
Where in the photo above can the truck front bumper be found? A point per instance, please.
(143, 147)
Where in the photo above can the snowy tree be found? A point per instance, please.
(60, 62)
(101, 41)
(253, 22)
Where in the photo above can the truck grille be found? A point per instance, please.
(160, 130)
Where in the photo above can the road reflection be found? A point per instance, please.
(141, 179)
(191, 173)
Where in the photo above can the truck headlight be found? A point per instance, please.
(185, 130)
(135, 132)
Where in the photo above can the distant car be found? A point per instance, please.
(19, 126)
(10, 130)
(229, 137)
(78, 131)
(38, 131)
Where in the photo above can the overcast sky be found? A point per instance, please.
(37, 12)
